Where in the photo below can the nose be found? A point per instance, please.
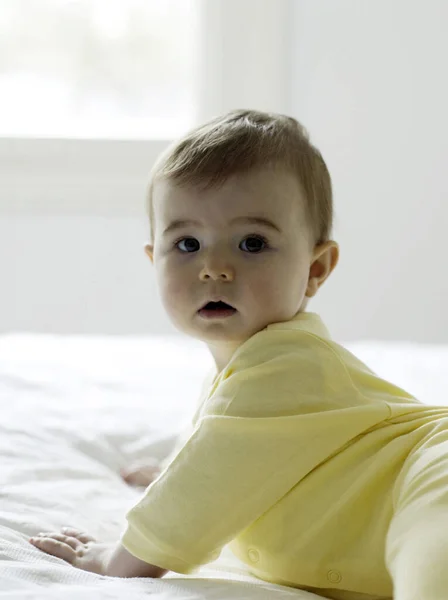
(218, 269)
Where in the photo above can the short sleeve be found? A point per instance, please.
(253, 440)
(229, 472)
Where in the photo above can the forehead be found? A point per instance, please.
(269, 193)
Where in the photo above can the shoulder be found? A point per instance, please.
(278, 373)
(284, 353)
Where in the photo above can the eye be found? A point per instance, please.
(188, 244)
(254, 244)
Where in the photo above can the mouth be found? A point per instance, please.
(216, 310)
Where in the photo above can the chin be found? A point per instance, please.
(220, 337)
(216, 333)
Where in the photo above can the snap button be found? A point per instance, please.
(253, 555)
(334, 576)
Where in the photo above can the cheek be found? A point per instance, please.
(173, 283)
(265, 285)
(273, 272)
(279, 281)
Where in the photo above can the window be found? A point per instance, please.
(97, 68)
(110, 83)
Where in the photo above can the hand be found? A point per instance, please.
(141, 473)
(75, 547)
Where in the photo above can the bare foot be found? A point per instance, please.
(141, 473)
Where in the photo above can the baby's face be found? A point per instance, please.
(245, 243)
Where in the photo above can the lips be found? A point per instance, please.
(219, 305)
(217, 310)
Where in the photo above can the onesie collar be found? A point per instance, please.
(305, 321)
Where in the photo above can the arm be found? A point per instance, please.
(121, 563)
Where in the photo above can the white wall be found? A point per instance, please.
(72, 231)
(369, 80)
(371, 84)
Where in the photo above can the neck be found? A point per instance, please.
(222, 352)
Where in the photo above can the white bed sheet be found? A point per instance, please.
(74, 409)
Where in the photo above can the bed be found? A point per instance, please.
(75, 409)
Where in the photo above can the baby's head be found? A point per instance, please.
(240, 211)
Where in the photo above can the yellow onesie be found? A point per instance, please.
(318, 474)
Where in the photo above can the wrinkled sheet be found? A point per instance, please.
(74, 409)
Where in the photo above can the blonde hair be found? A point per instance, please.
(243, 140)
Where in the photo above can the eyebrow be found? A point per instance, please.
(182, 223)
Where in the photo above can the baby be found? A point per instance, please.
(317, 473)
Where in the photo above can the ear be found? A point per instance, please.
(149, 250)
(325, 258)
